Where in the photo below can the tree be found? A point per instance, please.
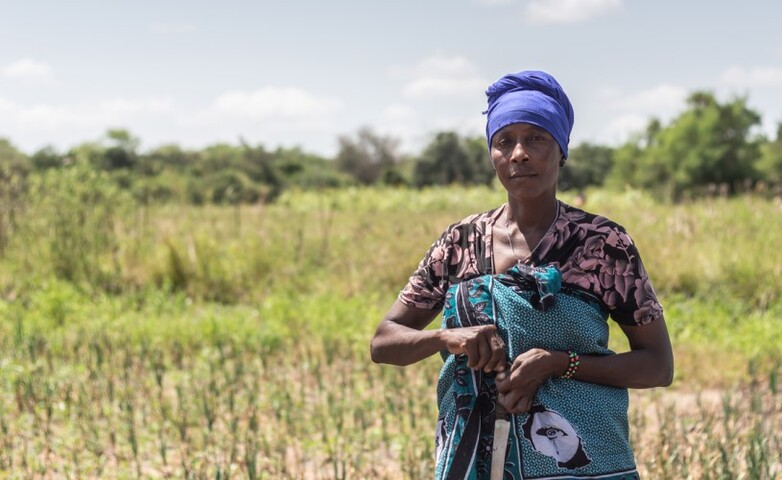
(85, 154)
(12, 161)
(769, 165)
(45, 158)
(258, 164)
(367, 156)
(218, 157)
(708, 144)
(451, 159)
(231, 187)
(305, 170)
(587, 165)
(14, 168)
(120, 152)
(481, 171)
(166, 158)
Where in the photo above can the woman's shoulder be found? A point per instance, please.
(579, 234)
(468, 233)
(592, 221)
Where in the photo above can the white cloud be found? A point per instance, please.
(403, 122)
(415, 127)
(568, 11)
(285, 103)
(269, 115)
(172, 29)
(659, 99)
(620, 128)
(441, 76)
(52, 117)
(70, 117)
(467, 125)
(5, 105)
(493, 2)
(626, 113)
(447, 93)
(28, 69)
(445, 87)
(736, 76)
(132, 106)
(399, 113)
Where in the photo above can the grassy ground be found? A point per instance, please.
(233, 343)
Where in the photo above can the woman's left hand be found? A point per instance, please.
(518, 385)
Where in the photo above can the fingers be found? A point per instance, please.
(524, 405)
(497, 360)
(518, 384)
(473, 353)
(483, 346)
(485, 349)
(509, 379)
(515, 403)
(479, 353)
(484, 352)
(492, 353)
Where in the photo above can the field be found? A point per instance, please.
(142, 341)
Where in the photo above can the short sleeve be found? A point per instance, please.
(427, 285)
(627, 289)
(462, 252)
(598, 256)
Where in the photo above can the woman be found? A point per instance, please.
(516, 339)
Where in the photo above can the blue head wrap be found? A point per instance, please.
(532, 97)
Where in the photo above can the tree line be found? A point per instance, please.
(710, 147)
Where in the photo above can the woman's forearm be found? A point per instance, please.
(397, 344)
(648, 364)
(402, 339)
(634, 369)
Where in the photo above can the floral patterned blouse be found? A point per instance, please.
(594, 254)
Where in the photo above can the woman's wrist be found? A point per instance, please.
(574, 361)
(559, 362)
(441, 338)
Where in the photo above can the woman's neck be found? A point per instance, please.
(538, 214)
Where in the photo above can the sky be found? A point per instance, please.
(303, 73)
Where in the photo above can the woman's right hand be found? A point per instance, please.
(482, 344)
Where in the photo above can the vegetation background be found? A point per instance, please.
(206, 314)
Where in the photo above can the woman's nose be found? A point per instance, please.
(519, 154)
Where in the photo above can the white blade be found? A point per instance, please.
(501, 431)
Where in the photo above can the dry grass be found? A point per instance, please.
(211, 343)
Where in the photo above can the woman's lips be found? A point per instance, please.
(521, 174)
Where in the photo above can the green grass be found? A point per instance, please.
(183, 342)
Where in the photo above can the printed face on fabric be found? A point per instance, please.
(526, 159)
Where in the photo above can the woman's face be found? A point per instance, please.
(526, 159)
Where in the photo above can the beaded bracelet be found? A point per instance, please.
(573, 362)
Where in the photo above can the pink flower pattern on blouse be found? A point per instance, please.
(593, 253)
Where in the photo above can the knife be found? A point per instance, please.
(500, 442)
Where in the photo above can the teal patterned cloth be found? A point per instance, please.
(575, 430)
